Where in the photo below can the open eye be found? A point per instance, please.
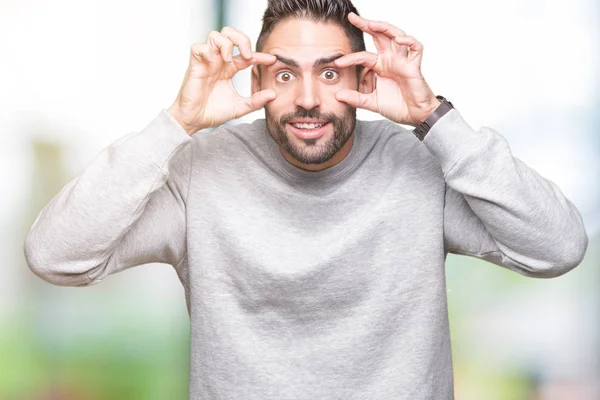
(330, 75)
(284, 76)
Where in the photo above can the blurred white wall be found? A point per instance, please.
(83, 73)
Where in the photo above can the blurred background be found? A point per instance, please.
(76, 75)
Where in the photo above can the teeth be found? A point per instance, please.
(308, 126)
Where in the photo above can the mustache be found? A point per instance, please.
(312, 113)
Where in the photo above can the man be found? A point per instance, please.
(311, 246)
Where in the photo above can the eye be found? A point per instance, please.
(284, 76)
(330, 74)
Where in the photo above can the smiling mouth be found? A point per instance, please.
(304, 125)
(308, 130)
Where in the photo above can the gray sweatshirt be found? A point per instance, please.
(309, 285)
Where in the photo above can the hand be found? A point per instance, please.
(207, 97)
(401, 93)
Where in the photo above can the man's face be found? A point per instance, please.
(311, 127)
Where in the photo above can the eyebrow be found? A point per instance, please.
(319, 62)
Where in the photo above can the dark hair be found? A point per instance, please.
(335, 11)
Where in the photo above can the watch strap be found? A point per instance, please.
(421, 130)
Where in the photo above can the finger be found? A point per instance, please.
(383, 27)
(257, 58)
(364, 58)
(201, 52)
(360, 22)
(381, 40)
(240, 40)
(416, 48)
(358, 100)
(221, 44)
(263, 58)
(371, 27)
(390, 32)
(256, 102)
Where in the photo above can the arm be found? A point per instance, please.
(496, 207)
(126, 208)
(499, 209)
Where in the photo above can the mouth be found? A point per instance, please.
(308, 129)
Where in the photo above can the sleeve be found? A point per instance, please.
(499, 209)
(126, 208)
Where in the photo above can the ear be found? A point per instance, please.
(255, 79)
(366, 82)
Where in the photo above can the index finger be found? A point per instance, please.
(363, 58)
(263, 58)
(257, 58)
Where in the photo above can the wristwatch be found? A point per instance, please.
(421, 130)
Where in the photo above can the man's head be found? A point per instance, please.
(306, 36)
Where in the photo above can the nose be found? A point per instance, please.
(307, 96)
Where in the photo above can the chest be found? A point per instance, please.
(270, 245)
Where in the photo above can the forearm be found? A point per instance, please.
(82, 224)
(528, 216)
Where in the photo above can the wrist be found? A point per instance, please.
(175, 114)
(435, 103)
(438, 112)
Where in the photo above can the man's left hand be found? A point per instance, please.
(401, 93)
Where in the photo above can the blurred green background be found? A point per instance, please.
(77, 75)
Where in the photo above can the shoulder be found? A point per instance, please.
(391, 141)
(388, 134)
(231, 143)
(231, 136)
(230, 133)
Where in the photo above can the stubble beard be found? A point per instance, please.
(312, 153)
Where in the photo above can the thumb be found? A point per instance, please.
(256, 102)
(357, 99)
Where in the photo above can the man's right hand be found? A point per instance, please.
(207, 97)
